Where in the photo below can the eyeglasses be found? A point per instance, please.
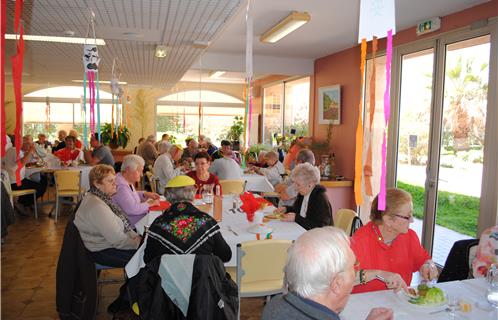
(407, 218)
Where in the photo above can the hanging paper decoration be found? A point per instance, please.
(359, 133)
(91, 62)
(200, 98)
(47, 113)
(3, 27)
(367, 169)
(249, 75)
(377, 19)
(387, 115)
(17, 66)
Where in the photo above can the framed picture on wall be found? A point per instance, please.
(329, 105)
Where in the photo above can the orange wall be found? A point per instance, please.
(343, 68)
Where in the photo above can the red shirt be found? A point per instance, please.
(405, 255)
(66, 154)
(200, 183)
(77, 144)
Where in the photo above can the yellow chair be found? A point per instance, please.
(17, 193)
(260, 267)
(347, 220)
(232, 186)
(152, 181)
(67, 184)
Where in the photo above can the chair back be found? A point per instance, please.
(68, 181)
(344, 219)
(152, 181)
(232, 186)
(260, 267)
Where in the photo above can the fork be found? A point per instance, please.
(447, 309)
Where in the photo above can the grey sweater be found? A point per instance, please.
(100, 228)
(291, 307)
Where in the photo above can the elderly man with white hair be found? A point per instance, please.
(164, 167)
(319, 276)
(275, 168)
(134, 203)
(312, 208)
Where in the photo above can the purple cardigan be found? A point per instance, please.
(132, 202)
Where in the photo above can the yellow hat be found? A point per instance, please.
(180, 181)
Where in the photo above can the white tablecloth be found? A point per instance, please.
(238, 223)
(257, 183)
(85, 170)
(472, 291)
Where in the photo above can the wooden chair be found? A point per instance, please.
(232, 186)
(152, 181)
(17, 193)
(260, 267)
(67, 184)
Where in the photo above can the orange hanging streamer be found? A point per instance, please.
(367, 169)
(359, 132)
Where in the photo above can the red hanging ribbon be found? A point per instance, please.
(17, 64)
(3, 133)
(18, 14)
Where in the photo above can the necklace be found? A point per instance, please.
(379, 236)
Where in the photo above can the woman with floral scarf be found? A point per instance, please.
(184, 229)
(104, 228)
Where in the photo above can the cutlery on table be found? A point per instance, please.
(232, 231)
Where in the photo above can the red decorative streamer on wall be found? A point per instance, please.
(17, 64)
(3, 139)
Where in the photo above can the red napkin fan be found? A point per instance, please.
(250, 205)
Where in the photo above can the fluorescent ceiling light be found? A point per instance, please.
(286, 26)
(75, 40)
(161, 51)
(216, 74)
(102, 81)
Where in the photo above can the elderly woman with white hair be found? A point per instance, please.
(184, 229)
(134, 203)
(164, 166)
(312, 208)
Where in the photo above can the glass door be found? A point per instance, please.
(464, 104)
(440, 134)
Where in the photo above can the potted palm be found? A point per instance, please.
(116, 139)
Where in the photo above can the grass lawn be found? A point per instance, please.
(455, 211)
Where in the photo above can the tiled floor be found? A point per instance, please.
(29, 262)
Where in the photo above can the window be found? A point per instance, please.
(65, 110)
(286, 109)
(178, 114)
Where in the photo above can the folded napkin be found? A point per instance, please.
(163, 205)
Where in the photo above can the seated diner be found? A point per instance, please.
(201, 175)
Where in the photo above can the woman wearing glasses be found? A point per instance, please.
(387, 250)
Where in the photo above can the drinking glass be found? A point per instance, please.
(207, 193)
(492, 292)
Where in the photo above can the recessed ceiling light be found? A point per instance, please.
(133, 35)
(292, 22)
(199, 44)
(216, 74)
(74, 40)
(161, 51)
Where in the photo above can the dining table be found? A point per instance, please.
(234, 227)
(31, 172)
(471, 292)
(257, 183)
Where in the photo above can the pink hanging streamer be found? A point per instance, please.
(91, 89)
(250, 113)
(387, 114)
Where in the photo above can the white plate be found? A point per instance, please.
(259, 228)
(198, 202)
(403, 296)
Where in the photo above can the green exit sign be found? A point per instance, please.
(429, 25)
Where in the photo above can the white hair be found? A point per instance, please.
(314, 260)
(306, 173)
(132, 161)
(272, 154)
(163, 147)
(306, 155)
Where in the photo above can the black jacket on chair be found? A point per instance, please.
(319, 212)
(76, 278)
(457, 266)
(213, 296)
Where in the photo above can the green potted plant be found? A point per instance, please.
(235, 131)
(116, 139)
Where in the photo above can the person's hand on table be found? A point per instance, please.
(151, 195)
(428, 271)
(280, 210)
(152, 202)
(393, 281)
(288, 217)
(380, 314)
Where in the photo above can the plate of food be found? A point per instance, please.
(424, 296)
(273, 216)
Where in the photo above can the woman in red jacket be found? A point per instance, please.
(201, 175)
(387, 250)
